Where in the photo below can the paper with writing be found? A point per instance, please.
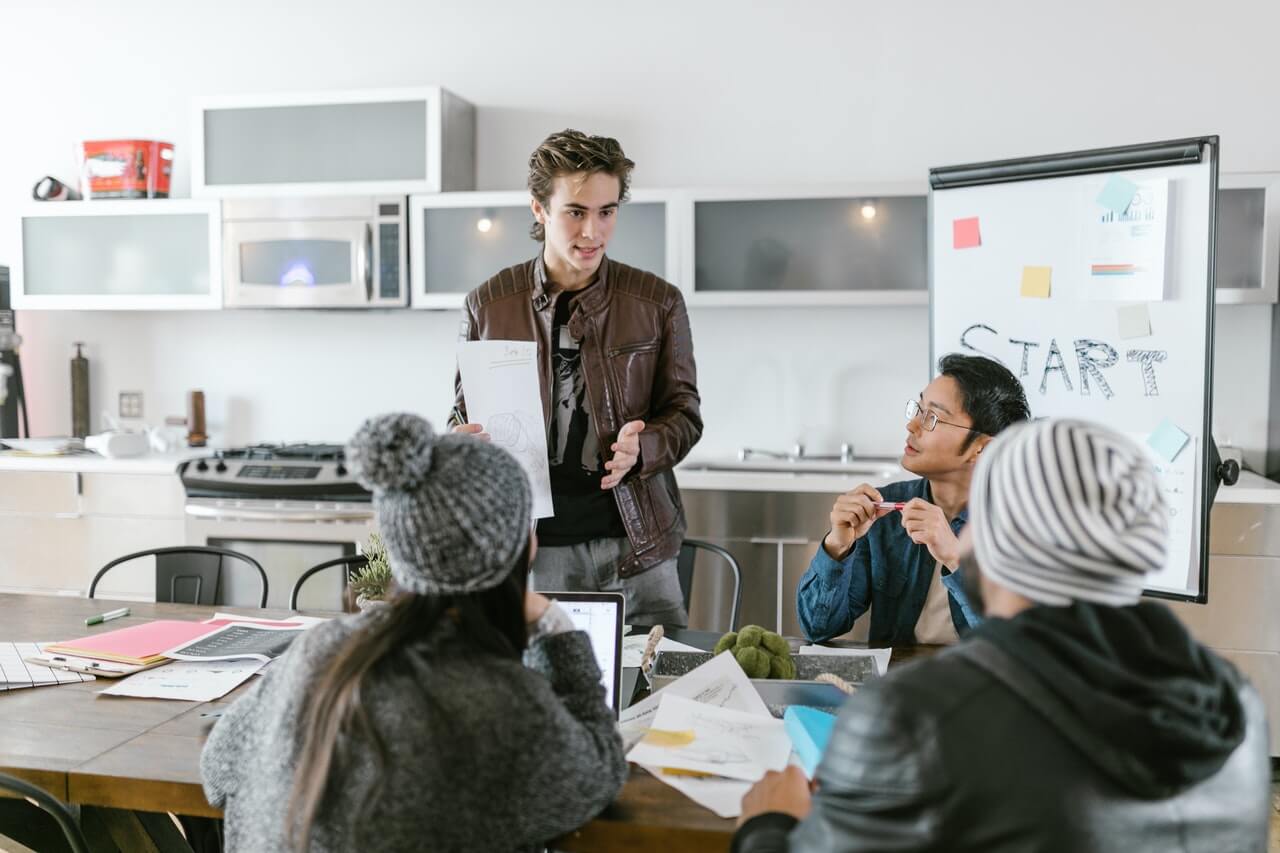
(728, 743)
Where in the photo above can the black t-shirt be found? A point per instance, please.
(583, 510)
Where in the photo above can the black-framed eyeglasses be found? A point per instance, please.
(928, 419)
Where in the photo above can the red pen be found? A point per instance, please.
(890, 505)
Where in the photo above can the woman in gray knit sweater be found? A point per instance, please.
(419, 727)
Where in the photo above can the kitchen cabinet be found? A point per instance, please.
(854, 245)
(369, 142)
(150, 254)
(1247, 250)
(60, 528)
(458, 240)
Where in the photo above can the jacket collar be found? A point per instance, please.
(591, 300)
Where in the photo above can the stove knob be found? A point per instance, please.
(341, 470)
(220, 467)
(202, 465)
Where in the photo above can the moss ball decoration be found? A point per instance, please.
(760, 653)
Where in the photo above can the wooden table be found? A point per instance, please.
(144, 754)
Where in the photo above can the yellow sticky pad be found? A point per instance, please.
(661, 737)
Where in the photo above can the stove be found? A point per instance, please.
(289, 506)
(273, 472)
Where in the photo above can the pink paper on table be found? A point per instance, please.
(137, 643)
(965, 234)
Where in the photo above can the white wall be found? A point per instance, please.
(713, 92)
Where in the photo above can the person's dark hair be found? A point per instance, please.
(570, 152)
(991, 395)
(491, 620)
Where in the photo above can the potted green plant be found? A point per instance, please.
(372, 583)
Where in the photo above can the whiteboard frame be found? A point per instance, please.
(1103, 161)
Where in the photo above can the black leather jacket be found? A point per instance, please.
(971, 750)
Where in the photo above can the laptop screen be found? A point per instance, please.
(600, 615)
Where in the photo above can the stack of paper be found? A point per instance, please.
(707, 734)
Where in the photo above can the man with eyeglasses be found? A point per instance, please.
(895, 549)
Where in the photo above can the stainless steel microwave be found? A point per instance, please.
(315, 252)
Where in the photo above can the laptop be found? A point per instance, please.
(600, 615)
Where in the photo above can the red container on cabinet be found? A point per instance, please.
(125, 168)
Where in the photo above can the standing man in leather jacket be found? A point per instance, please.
(618, 381)
(1075, 718)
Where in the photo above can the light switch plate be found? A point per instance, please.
(130, 404)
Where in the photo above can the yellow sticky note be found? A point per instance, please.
(661, 737)
(1035, 282)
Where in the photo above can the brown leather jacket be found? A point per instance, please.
(637, 361)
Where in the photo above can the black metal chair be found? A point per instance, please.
(198, 565)
(684, 568)
(50, 804)
(353, 562)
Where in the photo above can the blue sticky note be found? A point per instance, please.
(1117, 194)
(809, 730)
(1168, 440)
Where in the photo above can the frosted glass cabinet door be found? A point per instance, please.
(152, 254)
(810, 250)
(377, 141)
(456, 248)
(1247, 247)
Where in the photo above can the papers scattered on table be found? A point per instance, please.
(238, 640)
(696, 736)
(15, 672)
(187, 680)
(719, 681)
(633, 648)
(881, 656)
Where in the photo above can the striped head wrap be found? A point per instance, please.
(1066, 510)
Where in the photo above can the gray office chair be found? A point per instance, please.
(352, 562)
(684, 568)
(195, 566)
(50, 804)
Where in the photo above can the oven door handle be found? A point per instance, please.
(368, 262)
(294, 516)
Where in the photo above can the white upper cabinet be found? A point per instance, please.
(1247, 250)
(457, 241)
(847, 245)
(152, 254)
(371, 142)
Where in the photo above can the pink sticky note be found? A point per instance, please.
(965, 234)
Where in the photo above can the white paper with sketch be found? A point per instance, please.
(722, 796)
(191, 681)
(881, 656)
(721, 741)
(633, 648)
(500, 383)
(719, 681)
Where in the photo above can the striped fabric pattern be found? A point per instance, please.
(1066, 510)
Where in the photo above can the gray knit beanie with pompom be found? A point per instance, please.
(453, 510)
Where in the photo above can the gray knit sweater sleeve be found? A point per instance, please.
(485, 754)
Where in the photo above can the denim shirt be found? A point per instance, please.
(885, 571)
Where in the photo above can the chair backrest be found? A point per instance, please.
(351, 561)
(195, 570)
(51, 804)
(684, 568)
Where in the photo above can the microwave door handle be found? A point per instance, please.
(368, 262)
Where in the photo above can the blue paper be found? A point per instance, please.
(1117, 194)
(809, 730)
(1168, 440)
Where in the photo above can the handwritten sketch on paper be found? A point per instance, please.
(733, 744)
(1126, 248)
(500, 384)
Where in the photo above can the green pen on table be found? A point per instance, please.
(107, 617)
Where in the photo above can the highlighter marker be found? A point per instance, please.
(890, 505)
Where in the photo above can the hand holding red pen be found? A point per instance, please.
(927, 525)
(852, 516)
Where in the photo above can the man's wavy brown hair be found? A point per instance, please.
(570, 152)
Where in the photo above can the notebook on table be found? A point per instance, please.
(138, 645)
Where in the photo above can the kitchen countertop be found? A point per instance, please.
(693, 474)
(92, 463)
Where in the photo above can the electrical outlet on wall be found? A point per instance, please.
(130, 404)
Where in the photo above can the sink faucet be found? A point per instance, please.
(797, 454)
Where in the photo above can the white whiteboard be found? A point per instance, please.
(1068, 349)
